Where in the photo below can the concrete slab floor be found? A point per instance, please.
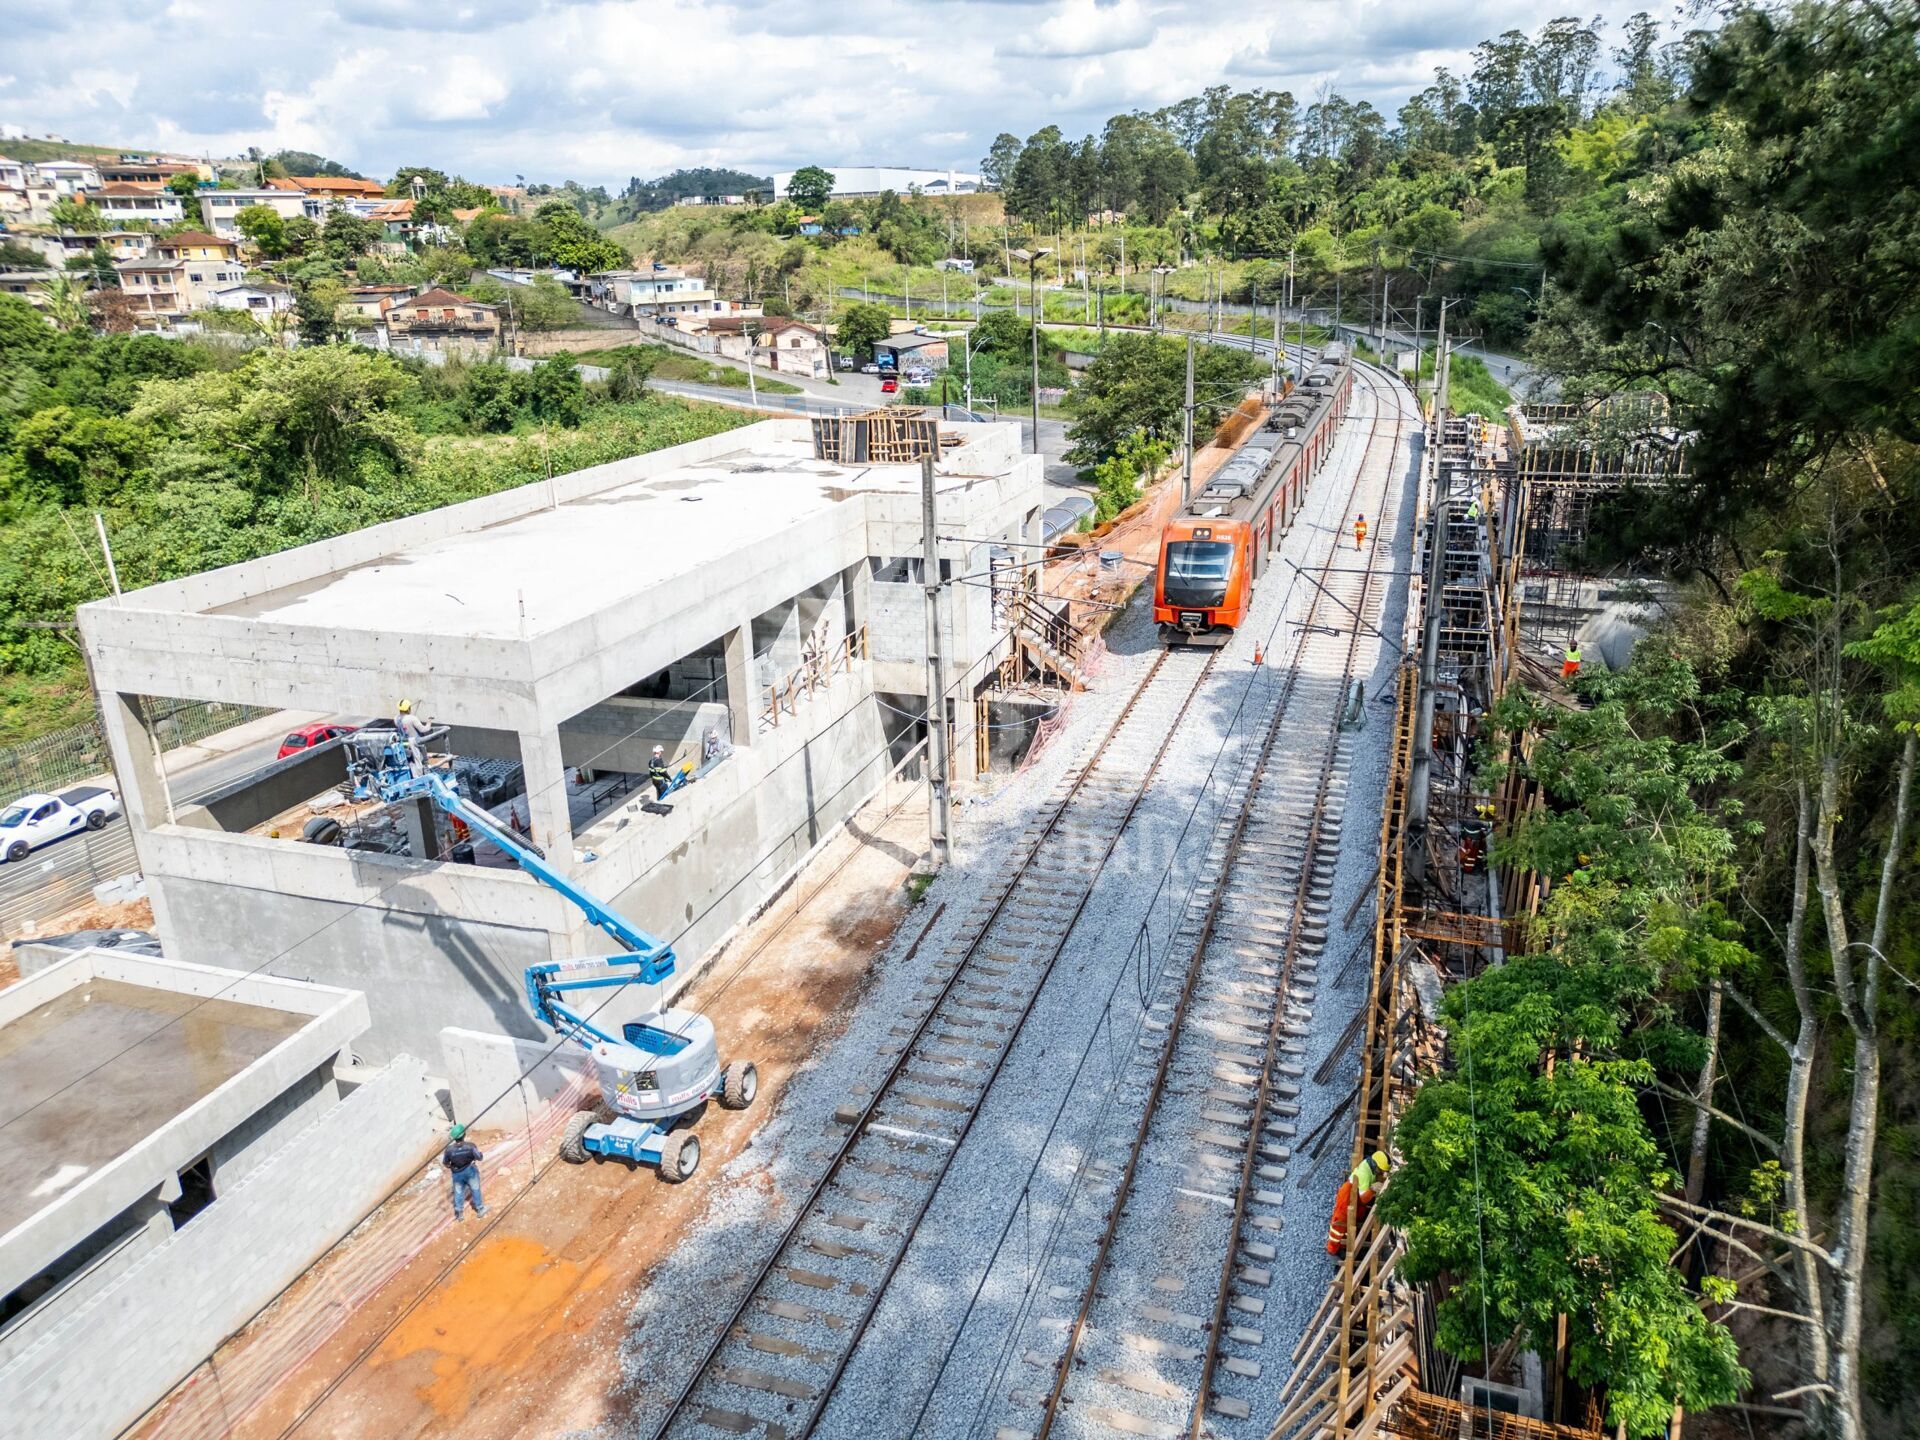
(64, 1112)
(511, 1326)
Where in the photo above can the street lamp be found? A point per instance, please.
(1153, 317)
(1033, 259)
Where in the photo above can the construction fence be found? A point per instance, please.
(79, 752)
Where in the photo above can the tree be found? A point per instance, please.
(810, 188)
(860, 325)
(299, 235)
(15, 256)
(558, 395)
(316, 308)
(996, 168)
(72, 214)
(631, 367)
(346, 235)
(263, 225)
(543, 305)
(575, 245)
(1137, 385)
(292, 418)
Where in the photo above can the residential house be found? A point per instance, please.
(661, 292)
(29, 285)
(789, 347)
(70, 177)
(75, 244)
(371, 302)
(220, 209)
(402, 229)
(340, 187)
(181, 274)
(14, 174)
(153, 171)
(118, 202)
(26, 195)
(258, 300)
(442, 323)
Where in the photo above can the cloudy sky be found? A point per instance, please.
(600, 91)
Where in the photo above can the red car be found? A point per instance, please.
(889, 385)
(309, 736)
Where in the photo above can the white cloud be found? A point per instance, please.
(599, 90)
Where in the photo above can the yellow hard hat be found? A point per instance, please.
(1379, 1159)
(406, 707)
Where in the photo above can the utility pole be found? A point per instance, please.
(1279, 351)
(936, 674)
(1440, 365)
(1383, 307)
(1186, 434)
(753, 390)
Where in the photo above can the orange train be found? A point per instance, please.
(1218, 548)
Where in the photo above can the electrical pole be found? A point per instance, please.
(1383, 308)
(1279, 351)
(936, 674)
(1440, 365)
(1186, 434)
(1033, 270)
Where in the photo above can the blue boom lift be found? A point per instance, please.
(660, 1068)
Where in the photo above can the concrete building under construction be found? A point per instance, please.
(750, 603)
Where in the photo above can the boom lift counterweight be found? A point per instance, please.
(657, 1070)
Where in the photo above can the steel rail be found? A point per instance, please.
(677, 1411)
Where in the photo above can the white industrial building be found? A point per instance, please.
(854, 181)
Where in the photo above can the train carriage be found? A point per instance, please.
(1215, 552)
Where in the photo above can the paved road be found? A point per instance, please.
(62, 876)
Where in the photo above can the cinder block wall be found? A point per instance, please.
(105, 1364)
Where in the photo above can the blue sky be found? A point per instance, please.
(551, 89)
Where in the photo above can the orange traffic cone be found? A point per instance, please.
(1258, 657)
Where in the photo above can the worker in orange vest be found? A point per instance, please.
(1570, 662)
(1359, 531)
(1355, 1196)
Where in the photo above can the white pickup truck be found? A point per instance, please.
(36, 820)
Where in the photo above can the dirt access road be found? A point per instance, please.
(512, 1325)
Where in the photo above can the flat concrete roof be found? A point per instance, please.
(588, 554)
(118, 1070)
(95, 1070)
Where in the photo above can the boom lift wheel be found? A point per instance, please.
(679, 1156)
(739, 1084)
(573, 1149)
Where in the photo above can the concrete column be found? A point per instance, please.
(743, 697)
(546, 798)
(135, 766)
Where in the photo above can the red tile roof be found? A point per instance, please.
(439, 296)
(392, 210)
(338, 185)
(196, 237)
(129, 187)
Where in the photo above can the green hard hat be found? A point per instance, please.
(458, 1132)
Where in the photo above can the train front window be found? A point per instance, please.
(1197, 572)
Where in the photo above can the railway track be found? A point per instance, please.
(773, 1367)
(1150, 1307)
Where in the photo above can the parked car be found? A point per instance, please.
(889, 385)
(873, 368)
(36, 820)
(843, 362)
(919, 377)
(308, 736)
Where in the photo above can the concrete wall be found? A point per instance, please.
(481, 1069)
(95, 1373)
(447, 945)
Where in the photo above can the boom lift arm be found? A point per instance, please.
(661, 1067)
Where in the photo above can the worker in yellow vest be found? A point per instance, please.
(1570, 662)
(1359, 532)
(1355, 1196)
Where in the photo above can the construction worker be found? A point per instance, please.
(413, 734)
(1354, 1197)
(462, 1158)
(1570, 662)
(657, 772)
(1359, 532)
(1473, 508)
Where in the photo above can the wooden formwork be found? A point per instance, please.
(895, 436)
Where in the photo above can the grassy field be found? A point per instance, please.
(672, 364)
